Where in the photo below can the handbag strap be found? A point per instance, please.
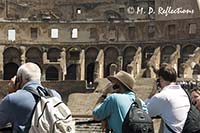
(137, 102)
(189, 97)
(190, 100)
(169, 128)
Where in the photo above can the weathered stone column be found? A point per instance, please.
(113, 69)
(154, 63)
(189, 65)
(43, 76)
(63, 63)
(187, 72)
(82, 65)
(1, 61)
(99, 65)
(45, 61)
(44, 57)
(23, 55)
(135, 66)
(174, 58)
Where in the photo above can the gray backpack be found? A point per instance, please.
(137, 120)
(50, 115)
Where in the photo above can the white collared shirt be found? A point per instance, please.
(172, 105)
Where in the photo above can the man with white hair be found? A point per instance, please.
(17, 107)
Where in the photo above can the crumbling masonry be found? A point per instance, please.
(85, 40)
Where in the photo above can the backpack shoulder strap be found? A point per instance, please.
(37, 95)
(32, 91)
(169, 128)
(137, 102)
(189, 97)
(39, 91)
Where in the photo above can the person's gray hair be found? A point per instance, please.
(29, 71)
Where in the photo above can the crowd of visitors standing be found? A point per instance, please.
(170, 102)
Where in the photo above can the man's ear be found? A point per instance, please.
(18, 82)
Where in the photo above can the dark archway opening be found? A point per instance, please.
(10, 70)
(71, 72)
(51, 73)
(90, 73)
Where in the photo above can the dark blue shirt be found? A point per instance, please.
(16, 108)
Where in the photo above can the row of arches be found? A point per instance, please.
(120, 56)
(32, 54)
(10, 70)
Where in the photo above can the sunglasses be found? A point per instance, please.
(116, 86)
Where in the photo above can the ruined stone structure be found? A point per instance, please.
(85, 40)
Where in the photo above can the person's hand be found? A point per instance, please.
(12, 86)
(104, 93)
(104, 125)
(107, 89)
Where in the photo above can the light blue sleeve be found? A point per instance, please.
(155, 105)
(5, 116)
(104, 109)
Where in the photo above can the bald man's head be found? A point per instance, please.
(28, 72)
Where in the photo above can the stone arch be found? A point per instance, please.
(34, 54)
(90, 57)
(53, 54)
(52, 73)
(72, 56)
(128, 55)
(12, 54)
(111, 55)
(166, 52)
(11, 26)
(146, 55)
(10, 70)
(186, 52)
(73, 53)
(110, 14)
(92, 52)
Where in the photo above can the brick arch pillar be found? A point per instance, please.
(99, 65)
(63, 64)
(45, 61)
(23, 54)
(1, 61)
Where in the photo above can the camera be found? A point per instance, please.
(189, 85)
(158, 85)
(158, 82)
